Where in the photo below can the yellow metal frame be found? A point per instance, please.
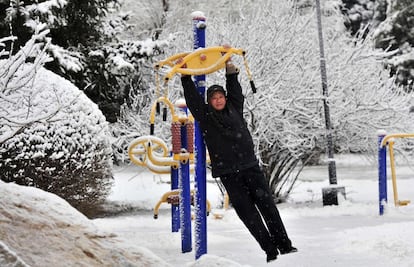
(141, 150)
(138, 149)
(389, 140)
(201, 61)
(176, 192)
(165, 161)
(167, 102)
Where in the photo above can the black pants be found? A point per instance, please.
(250, 196)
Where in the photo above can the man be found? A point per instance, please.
(232, 156)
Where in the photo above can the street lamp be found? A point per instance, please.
(329, 194)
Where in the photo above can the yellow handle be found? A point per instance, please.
(201, 61)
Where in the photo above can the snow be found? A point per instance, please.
(10, 256)
(350, 234)
(120, 65)
(45, 7)
(399, 59)
(198, 15)
(69, 60)
(41, 229)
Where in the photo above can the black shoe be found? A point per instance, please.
(271, 256)
(288, 250)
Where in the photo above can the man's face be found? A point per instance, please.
(218, 100)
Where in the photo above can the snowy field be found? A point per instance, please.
(350, 234)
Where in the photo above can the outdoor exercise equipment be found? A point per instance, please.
(152, 152)
(385, 140)
(186, 137)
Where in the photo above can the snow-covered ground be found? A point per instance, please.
(350, 234)
(41, 229)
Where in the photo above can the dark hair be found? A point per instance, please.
(214, 88)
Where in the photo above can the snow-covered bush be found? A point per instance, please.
(51, 135)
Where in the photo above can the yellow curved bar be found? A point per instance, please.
(157, 168)
(389, 140)
(162, 161)
(203, 61)
(393, 174)
(164, 169)
(168, 103)
(175, 192)
(171, 61)
(396, 135)
(137, 150)
(164, 199)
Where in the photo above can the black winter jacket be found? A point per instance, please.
(225, 132)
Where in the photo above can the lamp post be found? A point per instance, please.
(329, 194)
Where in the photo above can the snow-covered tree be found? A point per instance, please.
(51, 135)
(71, 23)
(286, 114)
(396, 35)
(362, 15)
(391, 21)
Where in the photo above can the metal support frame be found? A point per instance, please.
(199, 32)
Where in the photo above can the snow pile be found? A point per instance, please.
(41, 229)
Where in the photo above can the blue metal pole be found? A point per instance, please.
(382, 173)
(185, 197)
(199, 26)
(175, 210)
